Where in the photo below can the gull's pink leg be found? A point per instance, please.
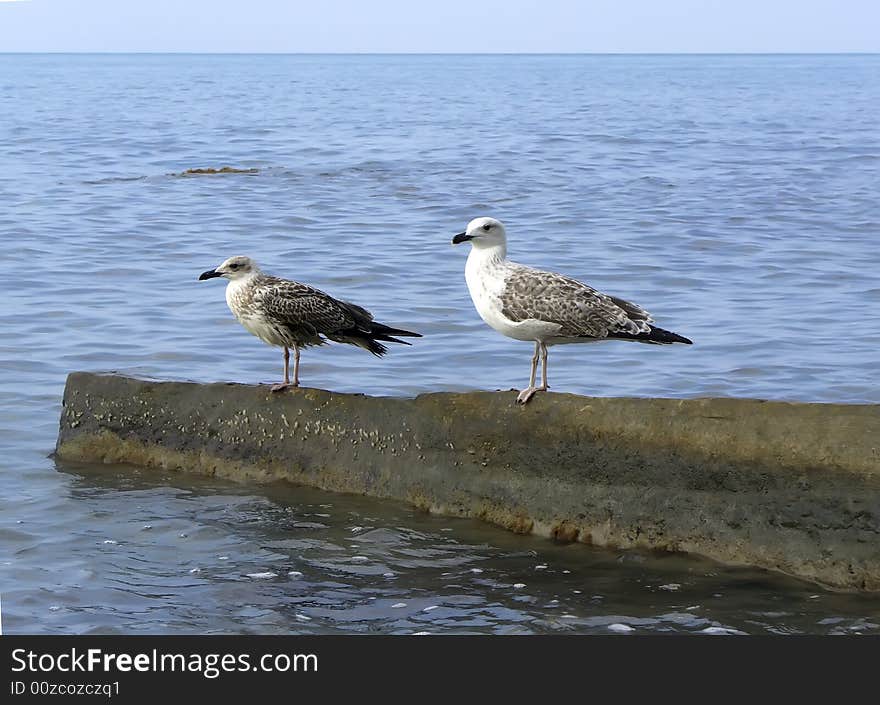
(526, 394)
(544, 385)
(286, 383)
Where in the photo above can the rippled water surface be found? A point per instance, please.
(734, 197)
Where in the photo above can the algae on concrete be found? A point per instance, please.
(789, 487)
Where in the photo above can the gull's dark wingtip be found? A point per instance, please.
(655, 336)
(380, 329)
(667, 336)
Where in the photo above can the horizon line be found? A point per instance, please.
(453, 53)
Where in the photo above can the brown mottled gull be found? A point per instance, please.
(292, 315)
(550, 309)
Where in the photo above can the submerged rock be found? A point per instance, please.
(210, 170)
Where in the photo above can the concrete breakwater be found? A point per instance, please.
(789, 487)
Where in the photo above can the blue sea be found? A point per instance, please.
(734, 197)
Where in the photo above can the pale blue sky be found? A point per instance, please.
(447, 26)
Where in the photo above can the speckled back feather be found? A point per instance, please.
(580, 310)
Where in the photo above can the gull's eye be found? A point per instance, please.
(234, 266)
(487, 227)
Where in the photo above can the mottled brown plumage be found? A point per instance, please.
(580, 310)
(303, 314)
(290, 314)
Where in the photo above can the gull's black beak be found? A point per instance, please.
(461, 237)
(210, 274)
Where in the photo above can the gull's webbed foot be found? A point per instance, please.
(526, 394)
(281, 387)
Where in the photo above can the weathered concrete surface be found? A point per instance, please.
(790, 487)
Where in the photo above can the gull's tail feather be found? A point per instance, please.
(373, 346)
(369, 339)
(389, 339)
(656, 336)
(379, 331)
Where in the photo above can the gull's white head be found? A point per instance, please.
(238, 267)
(483, 233)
